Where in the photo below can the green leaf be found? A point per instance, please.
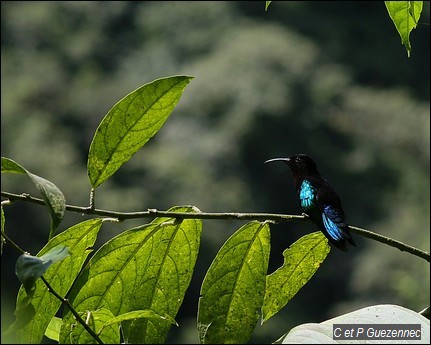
(104, 324)
(130, 124)
(405, 15)
(97, 320)
(29, 268)
(148, 267)
(233, 289)
(34, 314)
(10, 166)
(53, 330)
(301, 261)
(267, 5)
(138, 314)
(52, 196)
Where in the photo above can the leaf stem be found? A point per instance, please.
(92, 199)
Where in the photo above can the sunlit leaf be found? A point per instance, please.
(130, 124)
(405, 15)
(35, 313)
(301, 261)
(233, 289)
(97, 320)
(53, 330)
(267, 5)
(148, 267)
(138, 314)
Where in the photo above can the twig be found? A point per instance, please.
(8, 239)
(66, 302)
(276, 218)
(391, 242)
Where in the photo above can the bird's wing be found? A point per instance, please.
(334, 222)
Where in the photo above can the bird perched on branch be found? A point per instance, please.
(318, 200)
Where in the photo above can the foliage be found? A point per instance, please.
(301, 261)
(149, 299)
(405, 15)
(166, 251)
(34, 312)
(233, 289)
(267, 3)
(53, 197)
(145, 298)
(130, 124)
(112, 288)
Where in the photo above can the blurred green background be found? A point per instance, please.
(330, 79)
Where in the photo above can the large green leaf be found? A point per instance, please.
(138, 314)
(148, 267)
(52, 196)
(105, 325)
(130, 124)
(233, 289)
(405, 15)
(97, 320)
(301, 261)
(34, 315)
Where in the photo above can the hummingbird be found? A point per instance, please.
(318, 200)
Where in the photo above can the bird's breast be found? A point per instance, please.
(307, 194)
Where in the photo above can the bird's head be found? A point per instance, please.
(300, 164)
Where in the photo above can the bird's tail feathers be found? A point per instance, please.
(337, 234)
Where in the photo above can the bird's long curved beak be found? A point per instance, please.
(278, 159)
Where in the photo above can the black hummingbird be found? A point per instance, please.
(318, 200)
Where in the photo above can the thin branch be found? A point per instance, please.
(391, 242)
(66, 302)
(276, 218)
(8, 239)
(156, 213)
